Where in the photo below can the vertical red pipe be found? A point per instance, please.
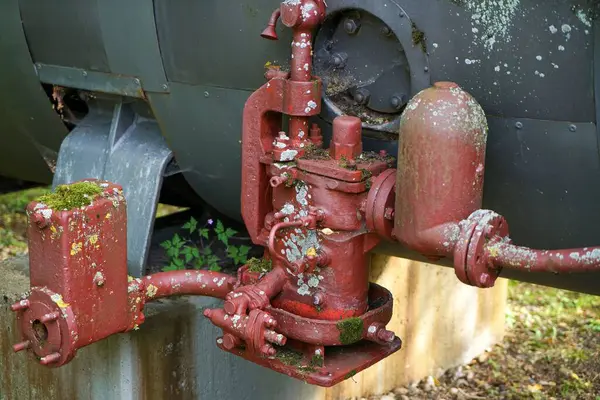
(301, 71)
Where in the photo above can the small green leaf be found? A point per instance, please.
(195, 252)
(188, 257)
(171, 267)
(203, 232)
(173, 252)
(166, 244)
(191, 225)
(207, 251)
(230, 232)
(215, 268)
(179, 263)
(244, 250)
(219, 228)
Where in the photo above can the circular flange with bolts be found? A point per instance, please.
(471, 263)
(379, 212)
(48, 327)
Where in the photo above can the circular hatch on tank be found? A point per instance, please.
(371, 61)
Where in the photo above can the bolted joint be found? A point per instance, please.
(378, 334)
(362, 96)
(338, 60)
(398, 100)
(389, 213)
(351, 26)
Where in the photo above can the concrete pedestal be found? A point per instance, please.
(173, 355)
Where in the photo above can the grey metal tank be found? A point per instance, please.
(174, 76)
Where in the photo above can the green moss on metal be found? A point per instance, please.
(294, 359)
(289, 357)
(259, 265)
(68, 197)
(350, 374)
(312, 152)
(351, 330)
(418, 37)
(317, 361)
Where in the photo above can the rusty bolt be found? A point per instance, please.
(40, 220)
(389, 213)
(50, 317)
(351, 26)
(49, 359)
(486, 280)
(268, 350)
(319, 299)
(230, 342)
(20, 306)
(397, 101)
(277, 181)
(21, 346)
(386, 336)
(363, 206)
(339, 60)
(362, 96)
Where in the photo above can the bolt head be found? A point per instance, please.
(519, 125)
(573, 128)
(386, 31)
(397, 101)
(361, 96)
(350, 26)
(389, 213)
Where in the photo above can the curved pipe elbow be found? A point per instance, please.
(187, 282)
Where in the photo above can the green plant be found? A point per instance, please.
(185, 252)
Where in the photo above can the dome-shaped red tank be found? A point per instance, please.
(441, 159)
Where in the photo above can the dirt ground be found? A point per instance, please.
(551, 350)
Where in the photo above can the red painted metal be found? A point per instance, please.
(440, 167)
(347, 139)
(439, 195)
(78, 273)
(317, 212)
(195, 283)
(304, 207)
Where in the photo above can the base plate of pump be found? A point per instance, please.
(336, 365)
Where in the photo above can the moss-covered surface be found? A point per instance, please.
(68, 197)
(312, 152)
(418, 37)
(350, 374)
(261, 265)
(351, 330)
(317, 361)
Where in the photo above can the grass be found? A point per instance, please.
(13, 221)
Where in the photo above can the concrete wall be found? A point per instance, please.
(173, 355)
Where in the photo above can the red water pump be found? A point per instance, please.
(317, 212)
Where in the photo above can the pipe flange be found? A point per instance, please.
(471, 264)
(379, 213)
(48, 327)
